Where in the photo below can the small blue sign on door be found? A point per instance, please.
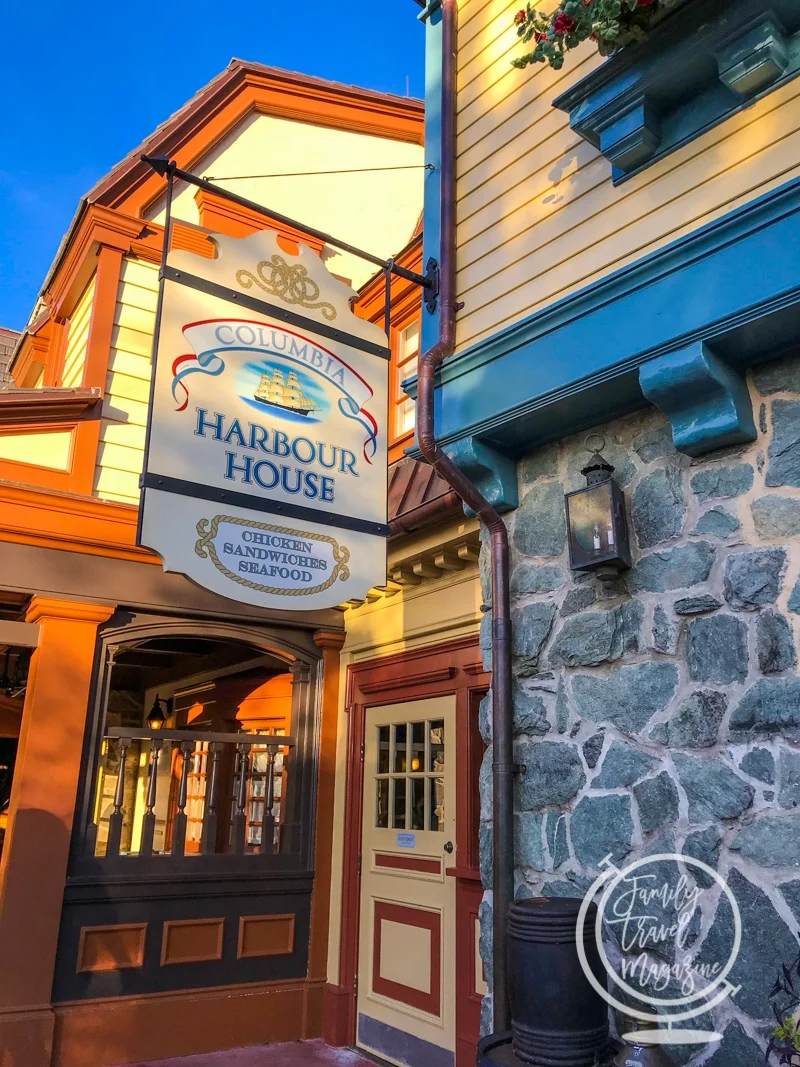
(406, 840)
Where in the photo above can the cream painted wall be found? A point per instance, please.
(374, 211)
(78, 339)
(538, 217)
(51, 450)
(428, 614)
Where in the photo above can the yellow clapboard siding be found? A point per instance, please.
(121, 433)
(78, 339)
(645, 215)
(474, 16)
(139, 272)
(137, 342)
(477, 52)
(122, 386)
(539, 217)
(127, 363)
(132, 317)
(111, 484)
(121, 409)
(139, 296)
(120, 458)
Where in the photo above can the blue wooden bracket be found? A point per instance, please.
(493, 474)
(706, 401)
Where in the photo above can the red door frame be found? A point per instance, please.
(453, 667)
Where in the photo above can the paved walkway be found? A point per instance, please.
(290, 1054)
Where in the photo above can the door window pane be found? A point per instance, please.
(382, 802)
(417, 747)
(437, 746)
(383, 750)
(436, 803)
(399, 807)
(400, 732)
(417, 803)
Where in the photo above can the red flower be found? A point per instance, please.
(520, 17)
(538, 36)
(645, 3)
(563, 23)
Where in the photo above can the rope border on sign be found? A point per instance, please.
(205, 548)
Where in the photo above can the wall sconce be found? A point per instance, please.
(596, 524)
(156, 718)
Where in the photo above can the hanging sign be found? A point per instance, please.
(265, 473)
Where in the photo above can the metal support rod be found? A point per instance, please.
(162, 165)
(502, 751)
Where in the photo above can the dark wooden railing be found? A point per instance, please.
(225, 809)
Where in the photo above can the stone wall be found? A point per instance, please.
(663, 714)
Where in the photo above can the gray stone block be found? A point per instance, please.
(768, 708)
(629, 697)
(703, 845)
(789, 776)
(774, 643)
(767, 943)
(536, 578)
(717, 521)
(721, 483)
(696, 605)
(528, 845)
(713, 788)
(585, 640)
(776, 516)
(543, 463)
(530, 626)
(697, 721)
(592, 748)
(530, 714)
(654, 444)
(784, 448)
(716, 649)
(556, 833)
(562, 708)
(657, 800)
(759, 763)
(772, 842)
(623, 765)
(676, 568)
(753, 579)
(579, 597)
(540, 527)
(657, 507)
(794, 599)
(601, 826)
(665, 636)
(553, 774)
(736, 1049)
(778, 376)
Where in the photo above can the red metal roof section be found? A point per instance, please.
(417, 496)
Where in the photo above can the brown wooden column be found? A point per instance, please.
(330, 642)
(35, 853)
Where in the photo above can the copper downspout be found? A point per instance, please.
(502, 750)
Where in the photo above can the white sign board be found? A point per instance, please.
(266, 469)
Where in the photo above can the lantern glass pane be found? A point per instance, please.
(591, 525)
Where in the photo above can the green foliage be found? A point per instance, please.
(609, 23)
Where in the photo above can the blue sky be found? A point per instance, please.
(82, 84)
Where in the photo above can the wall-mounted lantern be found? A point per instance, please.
(156, 717)
(596, 523)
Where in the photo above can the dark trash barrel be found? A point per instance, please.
(557, 1018)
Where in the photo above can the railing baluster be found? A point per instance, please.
(208, 840)
(149, 820)
(118, 814)
(179, 823)
(268, 819)
(240, 819)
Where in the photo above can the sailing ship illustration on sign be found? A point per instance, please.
(275, 392)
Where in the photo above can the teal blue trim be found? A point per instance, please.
(705, 62)
(734, 284)
(493, 474)
(707, 403)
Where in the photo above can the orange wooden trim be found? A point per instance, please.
(97, 226)
(32, 357)
(43, 607)
(110, 963)
(185, 237)
(238, 92)
(57, 353)
(101, 324)
(197, 954)
(234, 220)
(34, 515)
(284, 948)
